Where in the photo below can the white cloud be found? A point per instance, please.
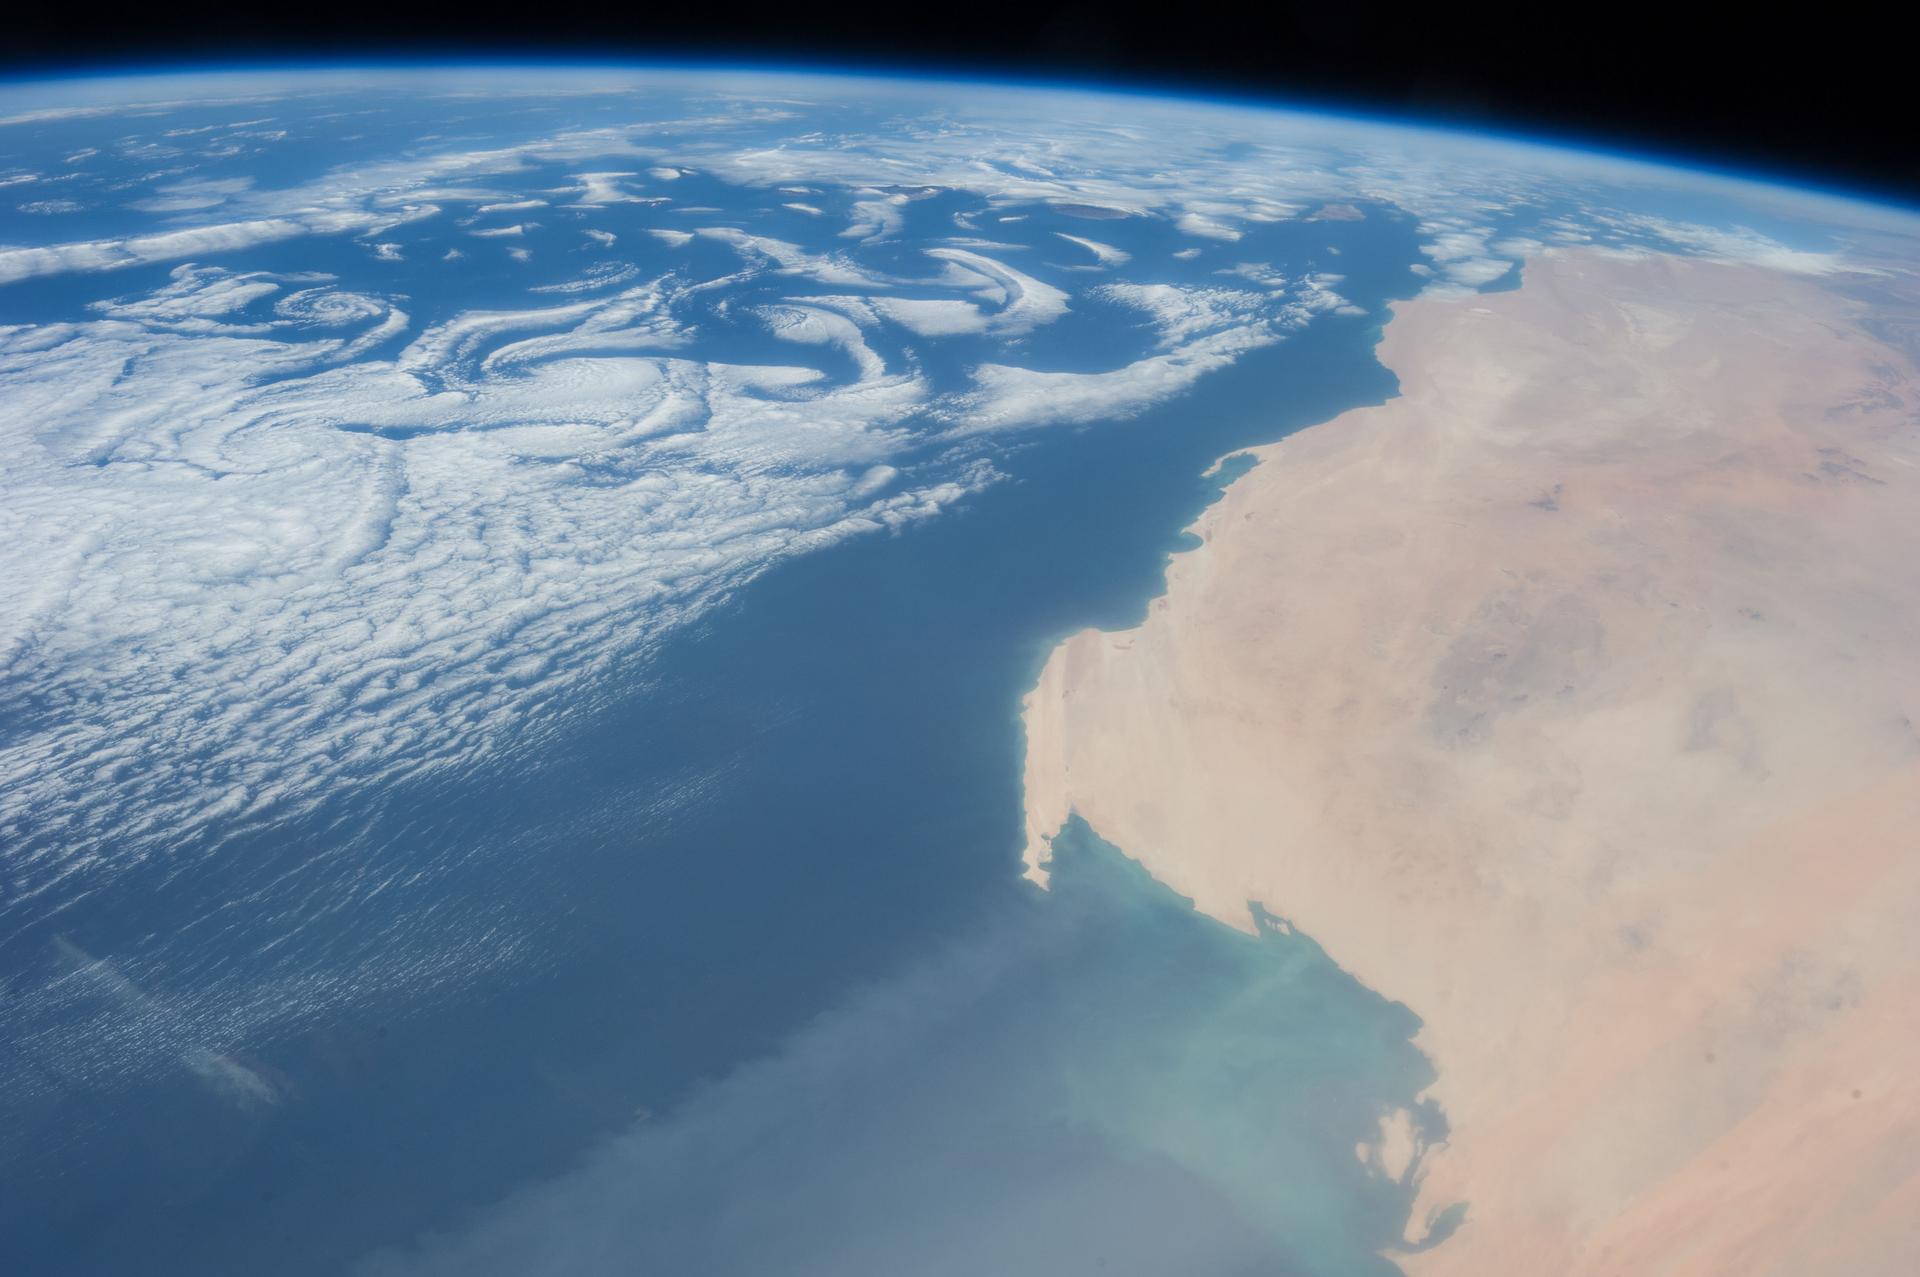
(111, 254)
(598, 189)
(1008, 397)
(1739, 244)
(227, 237)
(1206, 227)
(933, 316)
(1465, 262)
(876, 218)
(602, 276)
(312, 535)
(1105, 254)
(1183, 314)
(815, 327)
(387, 558)
(193, 194)
(791, 259)
(1024, 302)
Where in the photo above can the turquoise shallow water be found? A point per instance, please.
(1097, 1081)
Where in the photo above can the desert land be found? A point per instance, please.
(1572, 698)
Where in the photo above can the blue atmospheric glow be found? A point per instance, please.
(879, 72)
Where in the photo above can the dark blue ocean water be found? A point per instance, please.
(805, 808)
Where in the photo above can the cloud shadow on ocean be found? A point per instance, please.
(1100, 1080)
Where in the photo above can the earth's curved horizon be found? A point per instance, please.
(538, 603)
(131, 77)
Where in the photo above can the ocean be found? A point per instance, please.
(739, 972)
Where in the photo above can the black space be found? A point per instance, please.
(1822, 95)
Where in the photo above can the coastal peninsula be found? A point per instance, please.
(1572, 698)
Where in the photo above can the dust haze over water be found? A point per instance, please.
(1090, 1079)
(1103, 1081)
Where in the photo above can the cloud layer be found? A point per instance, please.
(276, 531)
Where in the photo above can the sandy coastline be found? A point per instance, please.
(1573, 699)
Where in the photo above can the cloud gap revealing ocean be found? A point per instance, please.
(519, 595)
